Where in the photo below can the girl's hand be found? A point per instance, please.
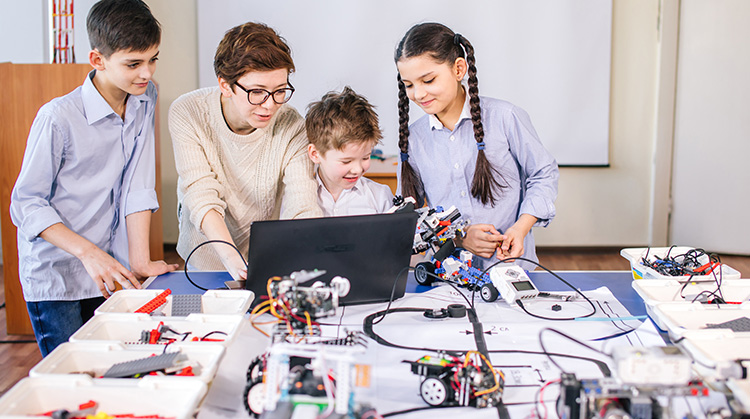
(512, 245)
(481, 240)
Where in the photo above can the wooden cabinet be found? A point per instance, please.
(26, 87)
(384, 172)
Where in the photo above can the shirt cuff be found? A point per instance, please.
(540, 208)
(37, 221)
(143, 200)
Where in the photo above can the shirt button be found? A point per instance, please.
(463, 193)
(456, 166)
(453, 138)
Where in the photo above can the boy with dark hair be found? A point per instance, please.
(342, 129)
(84, 197)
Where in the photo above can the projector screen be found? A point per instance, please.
(550, 57)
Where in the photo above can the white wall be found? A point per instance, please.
(711, 181)
(23, 31)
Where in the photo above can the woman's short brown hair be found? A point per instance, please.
(251, 47)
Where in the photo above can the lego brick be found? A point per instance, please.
(143, 365)
(182, 305)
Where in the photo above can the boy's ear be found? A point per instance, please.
(225, 87)
(313, 153)
(96, 59)
(460, 67)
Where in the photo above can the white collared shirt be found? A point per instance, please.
(365, 197)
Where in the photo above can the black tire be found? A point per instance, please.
(434, 391)
(252, 397)
(255, 370)
(489, 293)
(423, 273)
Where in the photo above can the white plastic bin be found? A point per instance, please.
(127, 328)
(657, 291)
(716, 350)
(680, 317)
(212, 301)
(641, 271)
(33, 396)
(95, 358)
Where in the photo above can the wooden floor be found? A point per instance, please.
(16, 359)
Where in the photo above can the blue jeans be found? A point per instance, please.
(55, 321)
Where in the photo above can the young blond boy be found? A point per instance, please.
(343, 129)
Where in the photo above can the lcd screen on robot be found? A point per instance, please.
(523, 285)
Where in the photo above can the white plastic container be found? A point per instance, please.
(716, 350)
(680, 317)
(641, 271)
(741, 392)
(97, 357)
(212, 301)
(31, 397)
(657, 291)
(127, 328)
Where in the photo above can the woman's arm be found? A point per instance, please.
(214, 227)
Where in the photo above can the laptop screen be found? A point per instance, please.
(369, 250)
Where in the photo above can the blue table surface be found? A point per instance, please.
(618, 282)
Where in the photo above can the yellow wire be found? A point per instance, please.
(309, 323)
(497, 383)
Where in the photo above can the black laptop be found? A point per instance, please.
(369, 250)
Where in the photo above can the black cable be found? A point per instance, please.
(17, 341)
(541, 343)
(205, 243)
(593, 307)
(393, 293)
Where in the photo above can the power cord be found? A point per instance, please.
(203, 244)
(520, 304)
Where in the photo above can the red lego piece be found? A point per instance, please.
(157, 302)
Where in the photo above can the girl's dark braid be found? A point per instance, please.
(411, 184)
(484, 183)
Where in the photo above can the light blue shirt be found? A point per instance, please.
(87, 168)
(445, 161)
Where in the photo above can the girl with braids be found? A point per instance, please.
(477, 153)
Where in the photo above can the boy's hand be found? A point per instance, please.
(106, 270)
(482, 240)
(153, 268)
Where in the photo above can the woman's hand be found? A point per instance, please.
(481, 240)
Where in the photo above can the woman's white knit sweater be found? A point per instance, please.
(245, 178)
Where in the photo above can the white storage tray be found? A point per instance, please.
(657, 291)
(127, 328)
(97, 357)
(716, 349)
(741, 392)
(31, 397)
(641, 271)
(212, 301)
(679, 317)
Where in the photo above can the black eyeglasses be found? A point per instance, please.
(260, 96)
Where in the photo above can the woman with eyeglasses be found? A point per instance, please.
(240, 151)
